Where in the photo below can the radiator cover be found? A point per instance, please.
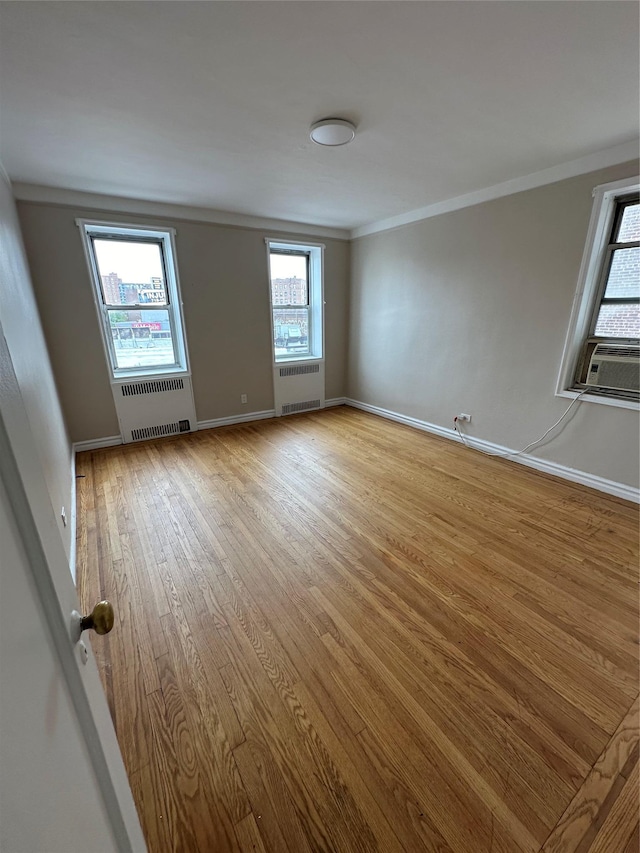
(298, 387)
(154, 408)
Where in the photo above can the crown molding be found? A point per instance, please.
(591, 163)
(119, 204)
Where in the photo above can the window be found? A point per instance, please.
(602, 352)
(618, 310)
(295, 275)
(137, 297)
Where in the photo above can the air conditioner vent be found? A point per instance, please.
(154, 386)
(613, 366)
(155, 431)
(290, 408)
(622, 351)
(299, 369)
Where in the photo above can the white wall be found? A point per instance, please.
(23, 332)
(468, 312)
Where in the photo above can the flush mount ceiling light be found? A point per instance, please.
(332, 131)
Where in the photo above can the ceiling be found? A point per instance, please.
(209, 104)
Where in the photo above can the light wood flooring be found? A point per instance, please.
(336, 633)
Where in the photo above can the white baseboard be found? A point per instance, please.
(611, 487)
(113, 440)
(96, 443)
(237, 419)
(258, 416)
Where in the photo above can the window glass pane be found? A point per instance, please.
(291, 331)
(130, 272)
(629, 228)
(624, 275)
(619, 321)
(289, 285)
(142, 338)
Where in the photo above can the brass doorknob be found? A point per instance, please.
(100, 619)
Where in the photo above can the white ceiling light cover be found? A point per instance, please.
(332, 131)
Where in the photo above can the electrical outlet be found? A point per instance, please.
(243, 398)
(463, 417)
(63, 516)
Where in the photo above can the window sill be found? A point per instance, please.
(288, 359)
(617, 402)
(152, 373)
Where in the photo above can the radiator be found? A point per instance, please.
(153, 408)
(298, 387)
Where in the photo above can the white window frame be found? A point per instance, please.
(588, 291)
(166, 238)
(315, 252)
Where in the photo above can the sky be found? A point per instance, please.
(288, 266)
(135, 263)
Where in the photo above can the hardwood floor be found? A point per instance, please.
(335, 633)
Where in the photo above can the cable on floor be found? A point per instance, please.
(576, 399)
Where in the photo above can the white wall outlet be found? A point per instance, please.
(464, 417)
(243, 398)
(63, 516)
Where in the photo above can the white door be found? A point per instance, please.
(63, 787)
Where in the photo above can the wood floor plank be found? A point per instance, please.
(482, 727)
(248, 835)
(337, 745)
(600, 707)
(436, 607)
(336, 633)
(620, 823)
(583, 810)
(443, 664)
(298, 745)
(159, 794)
(267, 794)
(215, 756)
(437, 740)
(633, 845)
(271, 749)
(188, 778)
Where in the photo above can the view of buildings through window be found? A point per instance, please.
(290, 303)
(141, 335)
(619, 313)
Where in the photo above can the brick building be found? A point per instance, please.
(623, 320)
(289, 291)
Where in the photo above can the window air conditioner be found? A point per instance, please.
(615, 366)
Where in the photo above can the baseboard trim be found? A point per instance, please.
(611, 487)
(113, 440)
(97, 443)
(237, 419)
